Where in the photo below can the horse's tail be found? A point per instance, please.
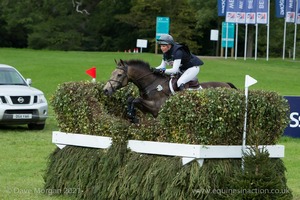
(231, 85)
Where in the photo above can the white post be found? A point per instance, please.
(295, 33)
(236, 40)
(268, 31)
(256, 36)
(284, 38)
(248, 82)
(226, 46)
(246, 38)
(295, 41)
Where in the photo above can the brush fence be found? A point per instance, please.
(187, 152)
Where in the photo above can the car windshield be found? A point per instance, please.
(9, 76)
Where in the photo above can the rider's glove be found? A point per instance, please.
(158, 71)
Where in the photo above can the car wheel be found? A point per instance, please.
(36, 126)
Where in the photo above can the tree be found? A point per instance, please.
(142, 19)
(4, 42)
(17, 17)
(105, 28)
(114, 25)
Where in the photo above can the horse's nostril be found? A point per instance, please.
(107, 92)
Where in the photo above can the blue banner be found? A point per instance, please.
(231, 8)
(290, 14)
(245, 11)
(240, 12)
(222, 7)
(280, 8)
(262, 10)
(293, 129)
(250, 11)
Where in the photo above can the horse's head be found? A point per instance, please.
(118, 78)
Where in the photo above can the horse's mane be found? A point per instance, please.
(138, 63)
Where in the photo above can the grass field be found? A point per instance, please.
(24, 153)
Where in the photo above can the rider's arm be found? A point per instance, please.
(162, 65)
(175, 68)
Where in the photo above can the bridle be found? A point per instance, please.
(119, 83)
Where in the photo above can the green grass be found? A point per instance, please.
(292, 162)
(24, 153)
(23, 161)
(50, 68)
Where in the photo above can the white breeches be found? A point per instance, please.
(188, 75)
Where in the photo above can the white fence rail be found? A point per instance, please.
(187, 152)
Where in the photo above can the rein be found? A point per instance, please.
(136, 80)
(143, 90)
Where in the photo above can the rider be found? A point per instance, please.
(184, 63)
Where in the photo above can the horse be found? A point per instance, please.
(154, 89)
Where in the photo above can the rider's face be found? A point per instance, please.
(165, 47)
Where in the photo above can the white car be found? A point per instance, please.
(19, 102)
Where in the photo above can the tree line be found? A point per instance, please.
(115, 25)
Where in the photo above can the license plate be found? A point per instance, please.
(22, 116)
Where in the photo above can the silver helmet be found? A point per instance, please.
(165, 39)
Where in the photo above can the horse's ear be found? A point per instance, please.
(122, 62)
(116, 62)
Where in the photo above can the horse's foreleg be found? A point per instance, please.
(131, 111)
(147, 106)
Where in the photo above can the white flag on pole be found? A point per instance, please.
(249, 81)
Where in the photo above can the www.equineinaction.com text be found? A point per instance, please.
(241, 191)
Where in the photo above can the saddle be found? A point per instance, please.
(193, 84)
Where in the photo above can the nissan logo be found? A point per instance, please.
(21, 100)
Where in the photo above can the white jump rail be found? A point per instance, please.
(187, 152)
(62, 139)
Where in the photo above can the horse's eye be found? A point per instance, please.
(119, 75)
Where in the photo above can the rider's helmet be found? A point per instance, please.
(165, 39)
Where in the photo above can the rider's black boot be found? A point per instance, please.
(181, 87)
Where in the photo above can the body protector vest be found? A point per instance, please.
(181, 51)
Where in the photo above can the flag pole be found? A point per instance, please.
(295, 41)
(226, 48)
(246, 38)
(295, 33)
(256, 35)
(268, 31)
(236, 40)
(284, 38)
(248, 82)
